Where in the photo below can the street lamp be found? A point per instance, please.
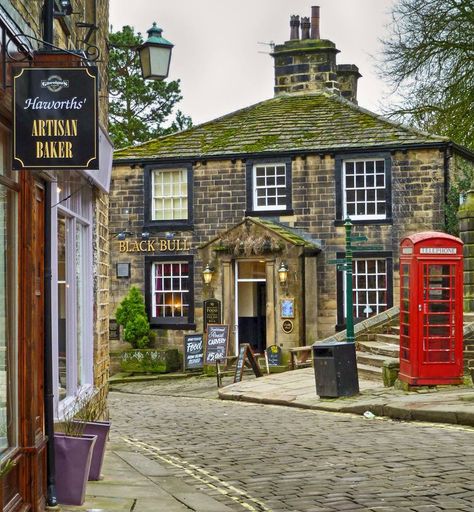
(155, 55)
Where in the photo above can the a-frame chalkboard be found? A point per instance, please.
(246, 354)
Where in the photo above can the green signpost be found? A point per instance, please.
(345, 264)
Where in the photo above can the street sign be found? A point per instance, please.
(367, 247)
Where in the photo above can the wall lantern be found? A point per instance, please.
(283, 273)
(207, 274)
(66, 7)
(155, 55)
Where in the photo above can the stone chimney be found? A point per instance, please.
(309, 64)
(347, 77)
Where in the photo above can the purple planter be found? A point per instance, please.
(101, 430)
(73, 460)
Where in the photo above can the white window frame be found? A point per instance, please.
(68, 209)
(378, 307)
(256, 187)
(365, 189)
(173, 171)
(182, 292)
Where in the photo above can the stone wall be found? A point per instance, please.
(220, 203)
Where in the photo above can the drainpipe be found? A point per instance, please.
(51, 498)
(48, 358)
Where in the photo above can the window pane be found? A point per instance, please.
(62, 305)
(270, 187)
(169, 190)
(172, 290)
(368, 180)
(8, 318)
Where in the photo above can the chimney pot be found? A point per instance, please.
(315, 22)
(305, 26)
(294, 27)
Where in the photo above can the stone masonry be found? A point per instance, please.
(220, 203)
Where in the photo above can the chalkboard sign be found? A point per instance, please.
(212, 312)
(239, 365)
(274, 355)
(193, 351)
(216, 342)
(246, 355)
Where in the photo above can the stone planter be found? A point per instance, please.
(150, 361)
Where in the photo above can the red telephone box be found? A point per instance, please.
(431, 309)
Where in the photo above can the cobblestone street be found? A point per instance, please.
(269, 458)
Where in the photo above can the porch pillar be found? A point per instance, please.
(228, 302)
(270, 303)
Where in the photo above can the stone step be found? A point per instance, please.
(394, 329)
(468, 318)
(379, 347)
(394, 339)
(369, 359)
(369, 372)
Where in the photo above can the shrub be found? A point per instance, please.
(131, 315)
(137, 332)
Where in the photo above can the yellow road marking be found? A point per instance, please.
(203, 476)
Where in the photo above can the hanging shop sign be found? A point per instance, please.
(55, 118)
(161, 245)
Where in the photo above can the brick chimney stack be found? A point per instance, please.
(309, 64)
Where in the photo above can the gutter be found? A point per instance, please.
(292, 153)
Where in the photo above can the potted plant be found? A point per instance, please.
(88, 410)
(73, 455)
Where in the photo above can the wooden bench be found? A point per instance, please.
(301, 356)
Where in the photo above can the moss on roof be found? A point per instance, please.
(291, 235)
(294, 122)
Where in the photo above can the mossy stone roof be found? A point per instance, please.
(292, 235)
(309, 122)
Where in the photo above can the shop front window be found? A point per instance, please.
(8, 303)
(62, 305)
(74, 314)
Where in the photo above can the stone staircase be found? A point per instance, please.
(374, 348)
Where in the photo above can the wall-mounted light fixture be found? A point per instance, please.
(207, 274)
(283, 273)
(145, 235)
(66, 8)
(155, 55)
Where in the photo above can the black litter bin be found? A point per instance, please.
(335, 369)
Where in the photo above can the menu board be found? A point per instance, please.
(274, 355)
(193, 351)
(216, 342)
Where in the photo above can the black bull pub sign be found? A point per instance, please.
(55, 118)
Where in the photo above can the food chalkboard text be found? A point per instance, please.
(216, 342)
(193, 351)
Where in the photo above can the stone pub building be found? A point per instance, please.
(267, 189)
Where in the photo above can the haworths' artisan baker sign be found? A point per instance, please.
(55, 118)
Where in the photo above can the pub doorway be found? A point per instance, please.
(250, 303)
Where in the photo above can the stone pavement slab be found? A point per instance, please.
(297, 388)
(133, 482)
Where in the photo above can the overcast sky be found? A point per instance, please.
(218, 57)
